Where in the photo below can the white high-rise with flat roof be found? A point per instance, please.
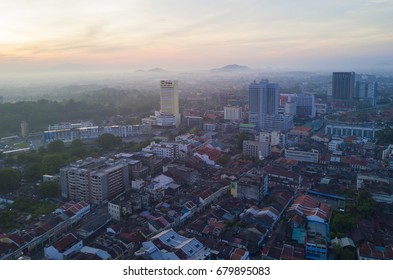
(233, 113)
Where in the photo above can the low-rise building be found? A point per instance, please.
(169, 245)
(63, 248)
(300, 155)
(256, 149)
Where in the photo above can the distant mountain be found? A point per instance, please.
(157, 70)
(232, 67)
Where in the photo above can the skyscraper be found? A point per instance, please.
(343, 88)
(169, 99)
(263, 99)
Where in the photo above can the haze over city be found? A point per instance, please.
(182, 35)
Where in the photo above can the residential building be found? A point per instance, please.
(306, 156)
(334, 145)
(366, 91)
(63, 248)
(209, 127)
(272, 138)
(169, 99)
(310, 208)
(279, 176)
(192, 122)
(120, 206)
(94, 181)
(290, 108)
(256, 149)
(163, 149)
(250, 186)
(369, 251)
(232, 113)
(169, 245)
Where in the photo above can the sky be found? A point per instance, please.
(203, 34)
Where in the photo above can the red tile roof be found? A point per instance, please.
(301, 128)
(65, 243)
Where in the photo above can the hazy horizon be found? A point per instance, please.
(189, 35)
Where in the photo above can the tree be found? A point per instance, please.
(224, 160)
(56, 146)
(109, 141)
(49, 189)
(77, 143)
(9, 179)
(32, 172)
(51, 164)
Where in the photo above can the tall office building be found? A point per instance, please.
(169, 99)
(263, 99)
(343, 89)
(305, 104)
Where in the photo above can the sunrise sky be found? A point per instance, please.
(190, 34)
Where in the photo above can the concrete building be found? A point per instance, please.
(343, 89)
(63, 248)
(94, 180)
(256, 149)
(160, 119)
(351, 130)
(169, 245)
(163, 149)
(209, 127)
(290, 108)
(305, 104)
(263, 99)
(366, 91)
(276, 122)
(250, 186)
(192, 122)
(24, 129)
(169, 99)
(232, 113)
(272, 138)
(299, 155)
(334, 145)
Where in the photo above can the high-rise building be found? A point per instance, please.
(366, 91)
(94, 181)
(343, 89)
(263, 99)
(24, 129)
(305, 104)
(276, 122)
(232, 113)
(169, 99)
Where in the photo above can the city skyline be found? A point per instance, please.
(178, 35)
